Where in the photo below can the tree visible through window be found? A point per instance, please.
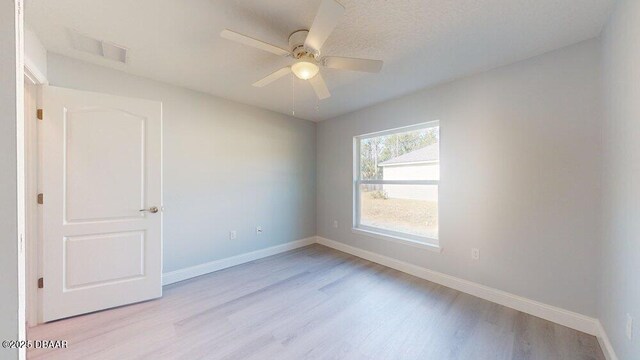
(396, 182)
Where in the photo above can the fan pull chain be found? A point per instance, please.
(293, 95)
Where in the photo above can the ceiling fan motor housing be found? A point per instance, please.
(296, 44)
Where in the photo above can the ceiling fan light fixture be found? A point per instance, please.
(305, 70)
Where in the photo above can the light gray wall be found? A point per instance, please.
(520, 176)
(8, 180)
(620, 282)
(226, 167)
(35, 54)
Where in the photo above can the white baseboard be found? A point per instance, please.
(193, 271)
(554, 314)
(605, 343)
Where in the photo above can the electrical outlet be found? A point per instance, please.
(629, 327)
(475, 254)
(233, 235)
(259, 230)
(335, 224)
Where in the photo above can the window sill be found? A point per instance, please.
(397, 239)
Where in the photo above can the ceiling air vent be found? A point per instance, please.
(97, 47)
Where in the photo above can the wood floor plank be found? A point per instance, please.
(313, 303)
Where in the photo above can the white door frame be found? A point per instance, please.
(33, 240)
(32, 170)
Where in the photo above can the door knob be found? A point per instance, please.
(153, 209)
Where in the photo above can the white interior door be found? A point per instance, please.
(101, 182)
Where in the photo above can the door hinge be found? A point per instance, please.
(39, 114)
(40, 283)
(40, 198)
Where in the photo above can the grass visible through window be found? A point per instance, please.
(416, 217)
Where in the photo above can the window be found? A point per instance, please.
(396, 179)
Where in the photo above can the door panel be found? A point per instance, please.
(91, 158)
(102, 165)
(100, 259)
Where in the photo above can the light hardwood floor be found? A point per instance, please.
(313, 303)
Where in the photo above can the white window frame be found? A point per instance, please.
(390, 235)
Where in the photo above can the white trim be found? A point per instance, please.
(605, 343)
(421, 162)
(32, 240)
(399, 182)
(35, 76)
(398, 239)
(202, 269)
(557, 315)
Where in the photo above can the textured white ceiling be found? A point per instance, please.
(422, 42)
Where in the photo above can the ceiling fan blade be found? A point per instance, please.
(344, 63)
(273, 77)
(326, 20)
(320, 87)
(249, 41)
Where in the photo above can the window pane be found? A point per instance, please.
(410, 155)
(411, 209)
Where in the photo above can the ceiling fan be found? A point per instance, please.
(304, 49)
